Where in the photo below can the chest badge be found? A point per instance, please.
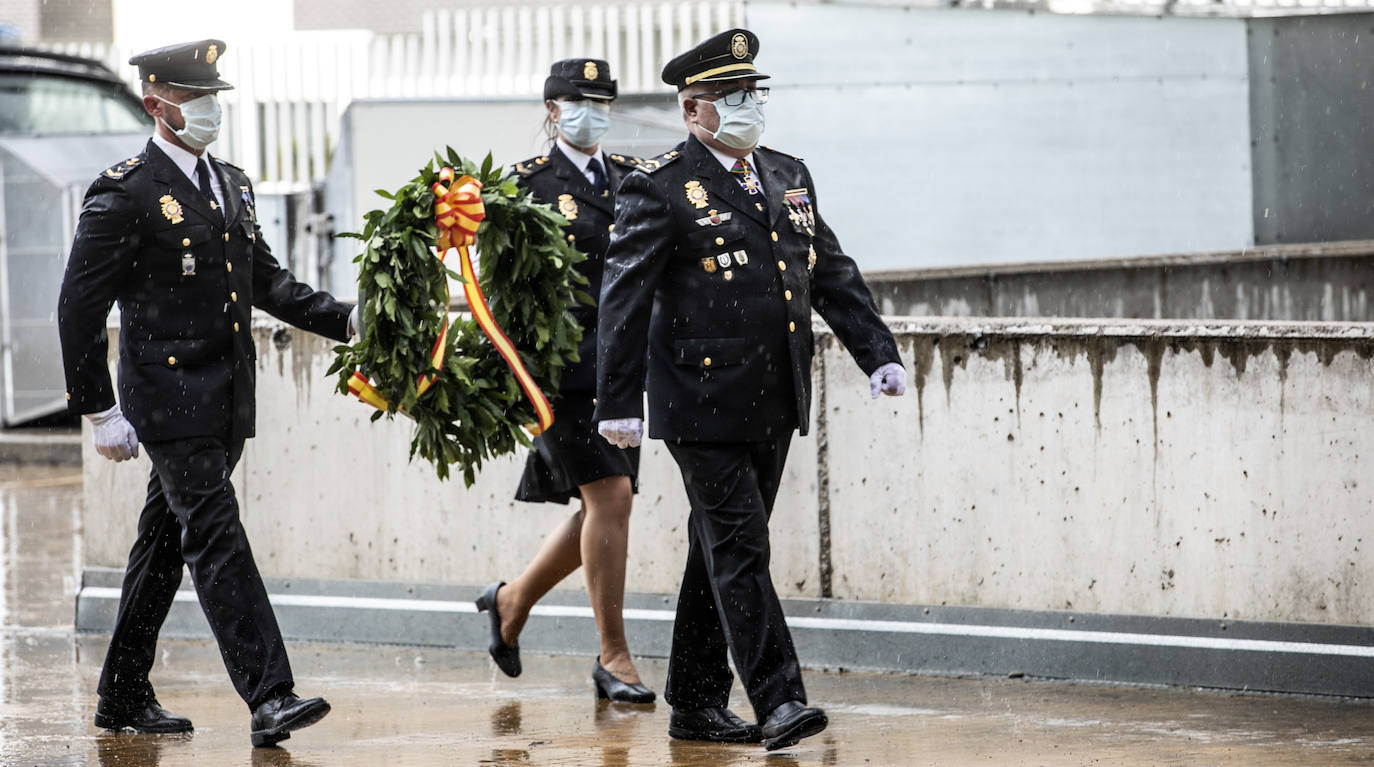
(696, 193)
(709, 265)
(567, 206)
(188, 265)
(171, 209)
(248, 202)
(800, 211)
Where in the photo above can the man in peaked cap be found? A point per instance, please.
(718, 256)
(172, 235)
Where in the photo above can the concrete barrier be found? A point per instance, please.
(1043, 488)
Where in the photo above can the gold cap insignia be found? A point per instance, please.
(696, 193)
(567, 206)
(739, 46)
(171, 208)
(589, 70)
(709, 264)
(211, 53)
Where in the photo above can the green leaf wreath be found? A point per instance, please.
(475, 409)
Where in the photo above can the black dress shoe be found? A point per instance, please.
(791, 722)
(115, 714)
(716, 723)
(608, 686)
(507, 658)
(274, 720)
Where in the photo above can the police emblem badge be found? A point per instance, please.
(211, 53)
(709, 265)
(589, 70)
(739, 46)
(567, 206)
(696, 193)
(171, 209)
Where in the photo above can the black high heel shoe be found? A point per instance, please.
(611, 688)
(507, 658)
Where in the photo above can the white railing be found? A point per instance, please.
(281, 120)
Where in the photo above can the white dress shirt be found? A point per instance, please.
(581, 159)
(186, 161)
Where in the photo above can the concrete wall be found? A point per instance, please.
(1324, 282)
(1142, 468)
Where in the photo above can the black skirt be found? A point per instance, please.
(572, 453)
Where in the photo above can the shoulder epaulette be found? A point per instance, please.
(533, 165)
(655, 163)
(784, 154)
(121, 169)
(626, 160)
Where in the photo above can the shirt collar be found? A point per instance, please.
(728, 162)
(577, 157)
(182, 158)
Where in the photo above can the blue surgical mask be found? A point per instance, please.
(202, 118)
(583, 123)
(740, 126)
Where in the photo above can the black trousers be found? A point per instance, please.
(191, 518)
(727, 607)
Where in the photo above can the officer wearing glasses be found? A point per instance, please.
(719, 254)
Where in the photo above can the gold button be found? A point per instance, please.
(720, 240)
(775, 236)
(234, 297)
(236, 327)
(69, 395)
(782, 266)
(186, 241)
(572, 238)
(787, 294)
(228, 266)
(706, 362)
(792, 327)
(611, 228)
(226, 236)
(171, 360)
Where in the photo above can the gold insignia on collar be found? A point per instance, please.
(696, 193)
(114, 174)
(589, 71)
(211, 53)
(171, 209)
(132, 161)
(567, 206)
(739, 46)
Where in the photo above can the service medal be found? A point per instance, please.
(567, 206)
(171, 209)
(810, 257)
(188, 265)
(696, 193)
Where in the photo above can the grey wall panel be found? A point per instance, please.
(1313, 111)
(948, 137)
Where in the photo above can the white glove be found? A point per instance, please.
(114, 435)
(890, 379)
(622, 432)
(353, 322)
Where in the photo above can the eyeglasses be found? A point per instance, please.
(736, 97)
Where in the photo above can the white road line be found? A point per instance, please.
(826, 624)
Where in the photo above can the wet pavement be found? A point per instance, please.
(397, 706)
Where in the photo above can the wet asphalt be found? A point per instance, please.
(395, 706)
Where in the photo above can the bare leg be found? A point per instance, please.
(597, 534)
(605, 541)
(560, 555)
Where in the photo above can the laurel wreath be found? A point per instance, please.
(475, 409)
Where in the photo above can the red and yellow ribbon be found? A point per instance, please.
(458, 211)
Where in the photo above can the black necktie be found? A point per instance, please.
(203, 176)
(598, 174)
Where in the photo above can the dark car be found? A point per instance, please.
(47, 94)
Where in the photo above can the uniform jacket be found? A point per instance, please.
(553, 179)
(185, 280)
(720, 285)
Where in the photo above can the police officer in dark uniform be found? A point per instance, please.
(718, 257)
(171, 234)
(569, 460)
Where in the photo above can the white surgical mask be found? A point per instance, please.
(202, 117)
(583, 123)
(740, 126)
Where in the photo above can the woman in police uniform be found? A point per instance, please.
(571, 460)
